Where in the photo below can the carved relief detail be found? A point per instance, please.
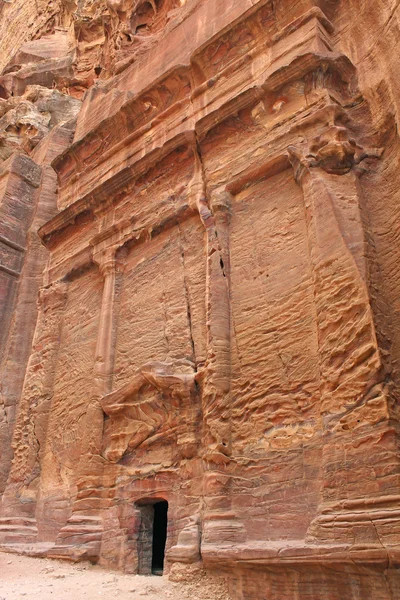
(52, 297)
(135, 419)
(334, 151)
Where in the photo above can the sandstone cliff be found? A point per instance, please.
(199, 290)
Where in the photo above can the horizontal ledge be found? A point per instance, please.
(187, 68)
(297, 552)
(196, 119)
(11, 272)
(10, 244)
(131, 172)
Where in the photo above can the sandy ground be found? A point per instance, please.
(43, 579)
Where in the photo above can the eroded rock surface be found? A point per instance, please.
(199, 250)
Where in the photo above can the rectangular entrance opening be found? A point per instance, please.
(152, 536)
(160, 523)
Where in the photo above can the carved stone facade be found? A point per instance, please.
(218, 325)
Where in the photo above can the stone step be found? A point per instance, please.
(27, 528)
(35, 549)
(17, 537)
(74, 552)
(81, 529)
(24, 521)
(79, 539)
(19, 530)
(92, 504)
(81, 518)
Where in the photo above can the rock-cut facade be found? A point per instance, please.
(199, 290)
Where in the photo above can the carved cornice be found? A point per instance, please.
(122, 182)
(126, 232)
(125, 180)
(152, 102)
(202, 106)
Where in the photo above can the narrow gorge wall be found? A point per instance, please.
(199, 289)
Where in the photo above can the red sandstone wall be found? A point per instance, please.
(218, 323)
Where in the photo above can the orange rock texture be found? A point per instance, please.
(199, 289)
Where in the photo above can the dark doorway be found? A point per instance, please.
(159, 536)
(152, 535)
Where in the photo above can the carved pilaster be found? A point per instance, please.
(91, 462)
(220, 521)
(353, 398)
(34, 409)
(350, 361)
(216, 382)
(104, 359)
(105, 347)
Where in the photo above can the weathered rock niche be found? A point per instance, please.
(200, 290)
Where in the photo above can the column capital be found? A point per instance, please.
(53, 296)
(106, 259)
(334, 151)
(221, 201)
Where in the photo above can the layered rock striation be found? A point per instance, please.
(199, 290)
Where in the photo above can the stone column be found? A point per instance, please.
(220, 524)
(216, 377)
(358, 441)
(217, 383)
(88, 507)
(105, 347)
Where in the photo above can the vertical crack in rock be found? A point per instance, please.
(187, 298)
